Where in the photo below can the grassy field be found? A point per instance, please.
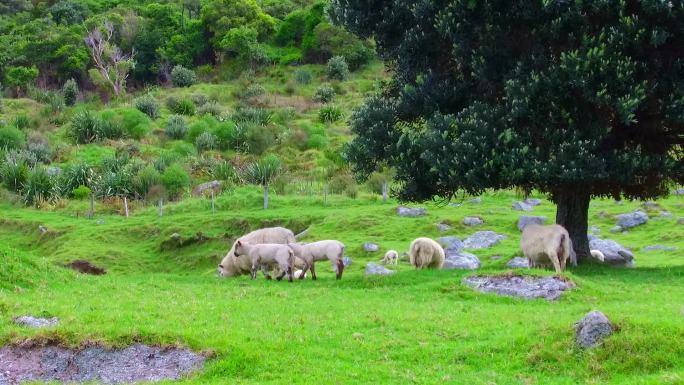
(420, 327)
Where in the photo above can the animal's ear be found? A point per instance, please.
(239, 243)
(221, 266)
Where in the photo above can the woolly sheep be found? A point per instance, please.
(391, 257)
(265, 254)
(542, 245)
(299, 274)
(598, 255)
(319, 251)
(424, 252)
(233, 267)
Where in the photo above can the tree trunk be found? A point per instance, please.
(572, 213)
(265, 196)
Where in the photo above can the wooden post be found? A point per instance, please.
(213, 210)
(126, 206)
(91, 214)
(384, 192)
(265, 196)
(325, 195)
(161, 207)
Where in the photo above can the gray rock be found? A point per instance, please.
(410, 212)
(665, 215)
(346, 261)
(483, 240)
(680, 221)
(451, 244)
(42, 229)
(371, 247)
(521, 206)
(461, 260)
(616, 229)
(475, 201)
(375, 269)
(614, 253)
(53, 171)
(134, 364)
(495, 257)
(443, 227)
(592, 329)
(36, 322)
(595, 230)
(678, 191)
(454, 204)
(472, 221)
(525, 220)
(650, 205)
(211, 185)
(518, 263)
(527, 287)
(659, 248)
(533, 201)
(627, 221)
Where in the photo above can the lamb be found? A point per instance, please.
(233, 267)
(299, 274)
(424, 252)
(266, 254)
(318, 251)
(542, 245)
(391, 257)
(598, 255)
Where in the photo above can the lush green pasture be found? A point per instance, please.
(412, 327)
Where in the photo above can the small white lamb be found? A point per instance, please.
(391, 258)
(267, 254)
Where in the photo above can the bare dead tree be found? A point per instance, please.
(112, 65)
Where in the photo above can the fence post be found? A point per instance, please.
(126, 206)
(161, 207)
(213, 210)
(91, 213)
(384, 192)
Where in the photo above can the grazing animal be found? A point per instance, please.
(424, 252)
(266, 254)
(544, 245)
(233, 267)
(391, 257)
(319, 251)
(598, 255)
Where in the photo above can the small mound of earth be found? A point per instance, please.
(526, 287)
(85, 267)
(134, 364)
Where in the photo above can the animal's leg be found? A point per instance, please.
(556, 263)
(340, 269)
(264, 270)
(289, 273)
(254, 270)
(313, 271)
(306, 267)
(283, 271)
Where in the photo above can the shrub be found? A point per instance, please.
(263, 171)
(85, 127)
(11, 137)
(119, 183)
(324, 94)
(252, 91)
(81, 192)
(257, 138)
(225, 133)
(145, 179)
(339, 183)
(205, 124)
(55, 103)
(224, 171)
(211, 108)
(75, 175)
(176, 128)
(21, 122)
(165, 159)
(180, 106)
(352, 190)
(134, 123)
(183, 77)
(337, 68)
(14, 175)
(175, 179)
(258, 116)
(199, 99)
(110, 125)
(329, 114)
(148, 105)
(38, 186)
(70, 92)
(206, 141)
(203, 165)
(303, 76)
(17, 156)
(39, 146)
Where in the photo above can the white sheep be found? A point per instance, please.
(391, 258)
(299, 274)
(266, 254)
(233, 267)
(544, 245)
(319, 251)
(598, 255)
(424, 252)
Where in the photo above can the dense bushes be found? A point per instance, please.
(176, 127)
(148, 105)
(183, 77)
(11, 137)
(175, 179)
(85, 127)
(180, 106)
(329, 114)
(337, 68)
(324, 94)
(70, 92)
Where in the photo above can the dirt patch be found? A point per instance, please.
(85, 267)
(527, 287)
(134, 364)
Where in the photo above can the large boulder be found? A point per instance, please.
(527, 287)
(478, 200)
(375, 269)
(525, 220)
(592, 329)
(451, 244)
(411, 211)
(615, 254)
(371, 247)
(483, 240)
(443, 227)
(533, 201)
(200, 189)
(629, 220)
(678, 191)
(472, 221)
(36, 322)
(521, 206)
(518, 263)
(461, 260)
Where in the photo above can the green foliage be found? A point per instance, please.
(263, 171)
(176, 128)
(337, 68)
(148, 104)
(175, 179)
(11, 137)
(221, 17)
(329, 114)
(145, 180)
(252, 91)
(324, 94)
(317, 137)
(199, 99)
(206, 141)
(38, 186)
(299, 25)
(258, 116)
(211, 108)
(69, 12)
(328, 41)
(75, 175)
(81, 192)
(224, 171)
(14, 175)
(225, 134)
(180, 106)
(39, 146)
(255, 138)
(183, 77)
(21, 122)
(70, 92)
(204, 124)
(303, 76)
(21, 78)
(85, 127)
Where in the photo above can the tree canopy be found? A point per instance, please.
(575, 99)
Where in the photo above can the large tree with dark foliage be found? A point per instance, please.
(577, 99)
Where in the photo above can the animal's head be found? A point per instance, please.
(221, 271)
(239, 248)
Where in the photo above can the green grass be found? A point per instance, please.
(420, 327)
